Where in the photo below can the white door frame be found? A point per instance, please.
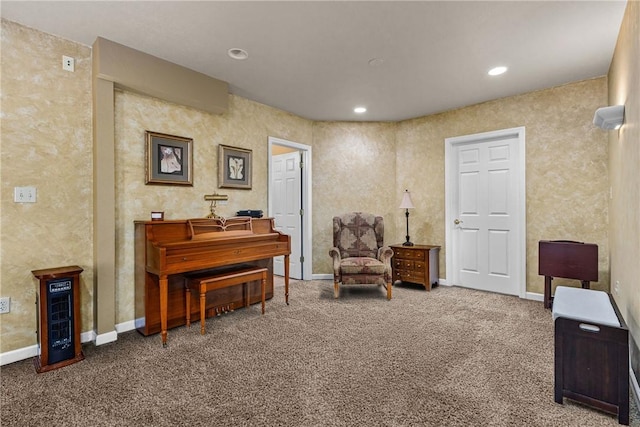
(307, 235)
(450, 215)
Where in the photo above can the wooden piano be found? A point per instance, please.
(167, 250)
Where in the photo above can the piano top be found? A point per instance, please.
(182, 230)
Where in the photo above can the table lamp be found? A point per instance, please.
(407, 204)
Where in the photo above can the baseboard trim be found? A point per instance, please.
(126, 326)
(19, 354)
(534, 296)
(106, 338)
(87, 336)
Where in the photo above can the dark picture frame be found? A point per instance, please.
(169, 159)
(234, 167)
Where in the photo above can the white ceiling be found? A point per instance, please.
(311, 58)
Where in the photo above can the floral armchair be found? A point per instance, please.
(359, 255)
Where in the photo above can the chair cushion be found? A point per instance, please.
(361, 265)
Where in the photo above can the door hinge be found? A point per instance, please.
(301, 165)
(301, 212)
(301, 259)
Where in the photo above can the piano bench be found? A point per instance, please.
(204, 284)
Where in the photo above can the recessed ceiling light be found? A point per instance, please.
(237, 53)
(497, 71)
(359, 110)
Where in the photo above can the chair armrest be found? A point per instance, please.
(385, 254)
(335, 254)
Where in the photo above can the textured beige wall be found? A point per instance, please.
(46, 143)
(566, 162)
(356, 166)
(247, 124)
(624, 161)
(353, 170)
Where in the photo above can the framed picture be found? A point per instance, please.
(234, 167)
(169, 159)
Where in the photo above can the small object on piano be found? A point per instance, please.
(157, 216)
(215, 198)
(253, 213)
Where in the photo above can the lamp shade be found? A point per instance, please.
(406, 201)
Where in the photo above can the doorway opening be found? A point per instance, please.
(289, 203)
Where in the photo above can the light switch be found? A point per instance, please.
(24, 194)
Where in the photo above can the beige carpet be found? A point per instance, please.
(449, 357)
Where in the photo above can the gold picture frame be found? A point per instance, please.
(169, 159)
(234, 167)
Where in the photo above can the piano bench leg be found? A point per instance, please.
(203, 304)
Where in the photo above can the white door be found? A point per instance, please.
(286, 184)
(486, 215)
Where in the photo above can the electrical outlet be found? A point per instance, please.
(24, 194)
(616, 288)
(5, 305)
(68, 63)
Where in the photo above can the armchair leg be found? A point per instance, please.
(336, 290)
(389, 287)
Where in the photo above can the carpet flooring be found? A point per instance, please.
(449, 357)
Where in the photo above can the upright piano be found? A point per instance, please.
(167, 250)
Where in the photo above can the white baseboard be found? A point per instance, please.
(534, 296)
(19, 354)
(126, 326)
(87, 336)
(106, 338)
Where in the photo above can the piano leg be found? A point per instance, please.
(164, 296)
(286, 279)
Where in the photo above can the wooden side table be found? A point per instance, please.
(416, 264)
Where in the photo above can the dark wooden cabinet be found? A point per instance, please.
(416, 264)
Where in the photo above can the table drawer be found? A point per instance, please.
(408, 253)
(409, 276)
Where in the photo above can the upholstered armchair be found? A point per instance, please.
(358, 252)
